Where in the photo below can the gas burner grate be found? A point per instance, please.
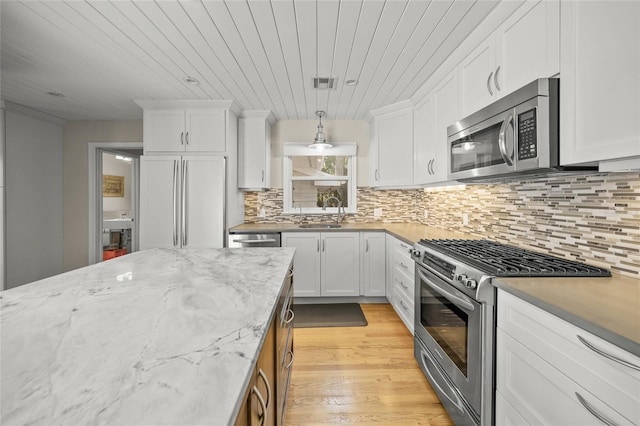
(508, 261)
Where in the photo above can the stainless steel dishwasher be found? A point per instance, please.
(271, 239)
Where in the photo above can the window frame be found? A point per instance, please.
(296, 149)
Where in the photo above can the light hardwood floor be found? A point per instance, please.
(362, 375)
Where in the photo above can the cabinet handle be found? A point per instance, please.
(293, 315)
(181, 138)
(404, 306)
(366, 245)
(290, 362)
(290, 273)
(403, 265)
(186, 137)
(322, 245)
(184, 202)
(404, 285)
(263, 406)
(262, 176)
(403, 245)
(318, 246)
(594, 412)
(175, 203)
(489, 84)
(605, 354)
(376, 175)
(495, 78)
(267, 385)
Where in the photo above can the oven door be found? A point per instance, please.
(485, 149)
(448, 322)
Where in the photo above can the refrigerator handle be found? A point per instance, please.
(184, 202)
(175, 203)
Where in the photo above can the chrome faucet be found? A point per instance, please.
(340, 218)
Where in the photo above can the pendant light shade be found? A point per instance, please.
(320, 142)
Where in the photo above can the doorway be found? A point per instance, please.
(114, 174)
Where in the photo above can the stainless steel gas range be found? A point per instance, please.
(455, 315)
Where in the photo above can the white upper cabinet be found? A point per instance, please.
(423, 141)
(195, 126)
(447, 111)
(254, 150)
(600, 84)
(525, 47)
(182, 130)
(391, 147)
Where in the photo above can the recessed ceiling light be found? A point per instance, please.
(56, 94)
(351, 82)
(191, 80)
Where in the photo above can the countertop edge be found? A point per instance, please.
(601, 332)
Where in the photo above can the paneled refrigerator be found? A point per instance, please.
(182, 201)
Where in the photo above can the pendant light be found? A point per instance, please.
(320, 142)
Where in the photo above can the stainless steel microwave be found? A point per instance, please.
(516, 134)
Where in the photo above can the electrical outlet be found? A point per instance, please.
(377, 212)
(465, 219)
(262, 212)
(426, 214)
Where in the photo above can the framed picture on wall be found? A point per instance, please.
(112, 186)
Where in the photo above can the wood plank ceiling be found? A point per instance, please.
(261, 53)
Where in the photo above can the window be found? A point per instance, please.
(312, 177)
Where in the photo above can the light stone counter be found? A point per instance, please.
(159, 337)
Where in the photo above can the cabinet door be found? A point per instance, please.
(159, 201)
(164, 130)
(340, 254)
(395, 148)
(528, 46)
(389, 266)
(374, 254)
(447, 112)
(206, 130)
(477, 74)
(203, 202)
(423, 142)
(266, 376)
(600, 64)
(306, 262)
(254, 152)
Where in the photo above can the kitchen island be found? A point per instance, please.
(162, 336)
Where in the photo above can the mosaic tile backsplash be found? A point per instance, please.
(591, 218)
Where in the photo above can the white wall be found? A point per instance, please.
(34, 197)
(112, 207)
(305, 130)
(77, 136)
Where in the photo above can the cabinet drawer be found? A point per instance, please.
(559, 343)
(540, 393)
(404, 307)
(403, 283)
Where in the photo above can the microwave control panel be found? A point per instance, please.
(527, 135)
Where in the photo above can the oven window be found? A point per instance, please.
(447, 324)
(477, 150)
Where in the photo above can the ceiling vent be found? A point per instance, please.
(321, 83)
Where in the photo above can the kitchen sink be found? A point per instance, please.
(320, 225)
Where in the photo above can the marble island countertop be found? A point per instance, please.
(155, 337)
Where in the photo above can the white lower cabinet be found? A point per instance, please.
(325, 264)
(545, 374)
(372, 247)
(402, 287)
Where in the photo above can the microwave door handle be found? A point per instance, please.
(502, 140)
(453, 298)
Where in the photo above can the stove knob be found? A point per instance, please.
(462, 278)
(415, 252)
(470, 283)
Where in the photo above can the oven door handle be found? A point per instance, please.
(453, 298)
